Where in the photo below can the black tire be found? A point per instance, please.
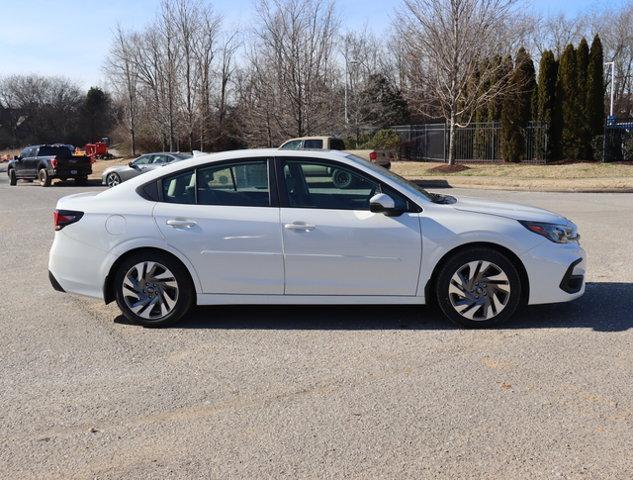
(81, 180)
(184, 298)
(484, 300)
(44, 177)
(13, 180)
(113, 179)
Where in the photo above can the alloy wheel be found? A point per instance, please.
(479, 290)
(112, 180)
(150, 290)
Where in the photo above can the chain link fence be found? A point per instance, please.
(479, 142)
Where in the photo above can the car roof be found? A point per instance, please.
(128, 188)
(322, 137)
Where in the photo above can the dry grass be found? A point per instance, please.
(585, 176)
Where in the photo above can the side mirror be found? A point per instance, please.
(131, 165)
(383, 203)
(15, 157)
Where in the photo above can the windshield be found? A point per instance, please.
(403, 182)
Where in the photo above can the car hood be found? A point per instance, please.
(114, 168)
(508, 210)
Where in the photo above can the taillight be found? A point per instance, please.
(62, 218)
(373, 156)
(54, 162)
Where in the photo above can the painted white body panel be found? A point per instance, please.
(347, 252)
(236, 249)
(246, 255)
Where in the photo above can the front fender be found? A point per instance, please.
(444, 232)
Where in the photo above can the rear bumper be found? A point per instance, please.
(74, 267)
(55, 283)
(68, 172)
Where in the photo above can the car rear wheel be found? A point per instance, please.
(113, 179)
(153, 289)
(13, 180)
(478, 288)
(44, 177)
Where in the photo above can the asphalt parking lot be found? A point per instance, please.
(315, 392)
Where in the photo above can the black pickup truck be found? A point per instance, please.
(46, 162)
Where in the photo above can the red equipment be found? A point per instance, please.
(98, 150)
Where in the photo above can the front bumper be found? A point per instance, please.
(556, 273)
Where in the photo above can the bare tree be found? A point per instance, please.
(123, 75)
(615, 27)
(556, 32)
(294, 54)
(446, 43)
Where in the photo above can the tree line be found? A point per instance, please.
(36, 109)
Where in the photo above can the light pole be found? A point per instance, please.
(347, 63)
(611, 108)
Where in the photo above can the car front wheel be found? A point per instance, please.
(153, 289)
(13, 180)
(478, 288)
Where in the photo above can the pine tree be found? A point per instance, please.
(546, 105)
(584, 129)
(566, 91)
(517, 109)
(595, 89)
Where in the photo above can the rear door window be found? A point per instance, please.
(243, 184)
(314, 144)
(337, 144)
(48, 151)
(180, 188)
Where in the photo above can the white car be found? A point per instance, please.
(249, 227)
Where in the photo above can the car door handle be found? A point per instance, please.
(299, 226)
(179, 223)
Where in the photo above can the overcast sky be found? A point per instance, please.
(71, 37)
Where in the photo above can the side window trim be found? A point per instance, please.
(273, 190)
(284, 201)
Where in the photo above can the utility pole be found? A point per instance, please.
(611, 108)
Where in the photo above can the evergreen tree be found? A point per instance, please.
(516, 113)
(566, 90)
(479, 142)
(584, 130)
(96, 115)
(595, 89)
(385, 105)
(546, 104)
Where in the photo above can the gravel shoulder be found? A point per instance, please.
(315, 392)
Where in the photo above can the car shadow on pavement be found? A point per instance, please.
(605, 307)
(92, 182)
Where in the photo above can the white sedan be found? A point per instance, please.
(250, 227)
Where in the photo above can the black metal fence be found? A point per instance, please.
(618, 141)
(478, 142)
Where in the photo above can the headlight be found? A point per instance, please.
(557, 233)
